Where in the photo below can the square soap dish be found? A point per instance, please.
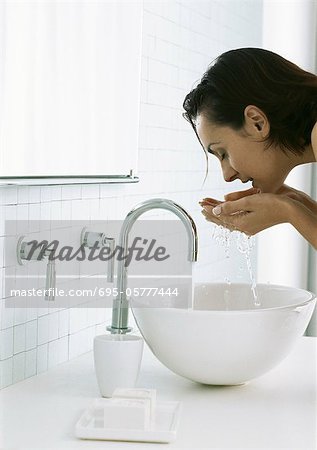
(93, 424)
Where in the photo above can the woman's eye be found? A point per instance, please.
(220, 155)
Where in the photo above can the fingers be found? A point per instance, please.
(232, 207)
(207, 213)
(209, 201)
(229, 197)
(210, 217)
(240, 194)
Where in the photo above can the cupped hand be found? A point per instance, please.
(209, 203)
(250, 214)
(232, 196)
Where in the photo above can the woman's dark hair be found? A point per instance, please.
(286, 93)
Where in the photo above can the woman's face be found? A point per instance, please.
(243, 154)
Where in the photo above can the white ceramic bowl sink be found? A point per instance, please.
(225, 339)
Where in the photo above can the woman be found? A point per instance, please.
(256, 112)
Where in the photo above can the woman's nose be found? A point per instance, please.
(229, 174)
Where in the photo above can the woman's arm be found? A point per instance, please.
(305, 221)
(299, 196)
(254, 213)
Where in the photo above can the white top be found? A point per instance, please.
(274, 411)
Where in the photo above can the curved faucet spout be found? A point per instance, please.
(120, 307)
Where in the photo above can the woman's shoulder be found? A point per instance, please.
(314, 140)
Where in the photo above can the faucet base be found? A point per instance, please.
(115, 330)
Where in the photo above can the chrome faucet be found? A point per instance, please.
(120, 308)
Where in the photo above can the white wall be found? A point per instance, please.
(312, 277)
(312, 272)
(282, 252)
(283, 255)
(180, 38)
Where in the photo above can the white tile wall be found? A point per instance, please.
(180, 38)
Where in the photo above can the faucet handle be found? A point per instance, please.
(98, 239)
(50, 280)
(111, 242)
(31, 251)
(27, 251)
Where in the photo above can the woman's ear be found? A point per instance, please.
(256, 122)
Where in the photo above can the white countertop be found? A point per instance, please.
(277, 410)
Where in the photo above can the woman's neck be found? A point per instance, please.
(314, 142)
(308, 156)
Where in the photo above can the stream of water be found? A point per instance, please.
(244, 244)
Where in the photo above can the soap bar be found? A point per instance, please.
(127, 413)
(137, 393)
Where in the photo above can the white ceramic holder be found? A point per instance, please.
(117, 360)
